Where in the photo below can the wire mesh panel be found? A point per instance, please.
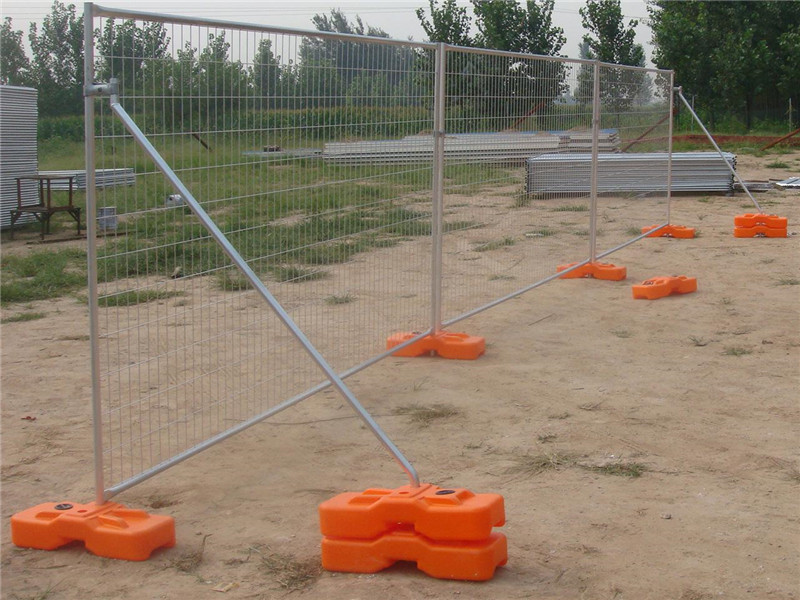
(268, 130)
(518, 157)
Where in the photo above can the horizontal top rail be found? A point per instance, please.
(104, 11)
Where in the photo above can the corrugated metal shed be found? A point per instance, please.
(18, 150)
(634, 172)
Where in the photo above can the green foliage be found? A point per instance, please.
(14, 63)
(42, 275)
(25, 316)
(449, 23)
(133, 297)
(734, 56)
(505, 25)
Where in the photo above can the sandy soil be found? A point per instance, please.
(697, 393)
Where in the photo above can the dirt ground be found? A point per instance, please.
(645, 449)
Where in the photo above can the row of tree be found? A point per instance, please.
(730, 54)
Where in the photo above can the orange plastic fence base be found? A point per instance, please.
(471, 561)
(673, 231)
(759, 225)
(659, 287)
(109, 530)
(458, 346)
(596, 270)
(447, 532)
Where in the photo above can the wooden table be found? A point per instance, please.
(45, 208)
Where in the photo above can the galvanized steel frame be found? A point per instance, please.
(334, 379)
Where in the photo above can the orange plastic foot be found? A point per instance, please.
(759, 225)
(658, 287)
(109, 530)
(673, 231)
(447, 532)
(471, 561)
(458, 346)
(596, 270)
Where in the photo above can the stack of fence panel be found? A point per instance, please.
(581, 141)
(18, 119)
(500, 148)
(103, 178)
(635, 172)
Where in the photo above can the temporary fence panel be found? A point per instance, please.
(187, 351)
(361, 186)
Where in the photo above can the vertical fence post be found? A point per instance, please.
(595, 152)
(91, 246)
(439, 99)
(669, 144)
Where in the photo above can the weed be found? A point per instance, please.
(619, 469)
(289, 573)
(501, 277)
(571, 208)
(777, 164)
(788, 281)
(494, 245)
(425, 415)
(232, 280)
(767, 261)
(28, 316)
(621, 332)
(725, 301)
(698, 341)
(136, 297)
(633, 231)
(541, 232)
(704, 199)
(545, 438)
(591, 406)
(559, 416)
(296, 274)
(188, 562)
(736, 351)
(530, 465)
(334, 300)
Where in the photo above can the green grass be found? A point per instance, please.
(494, 244)
(335, 300)
(777, 164)
(632, 470)
(736, 351)
(571, 208)
(133, 297)
(42, 275)
(26, 316)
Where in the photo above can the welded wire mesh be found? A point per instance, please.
(250, 120)
(317, 157)
(518, 157)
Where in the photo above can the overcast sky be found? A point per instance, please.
(396, 17)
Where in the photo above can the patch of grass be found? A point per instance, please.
(289, 572)
(633, 231)
(296, 274)
(704, 199)
(425, 415)
(529, 465)
(621, 332)
(495, 244)
(725, 301)
(334, 300)
(232, 280)
(560, 416)
(545, 438)
(541, 232)
(788, 281)
(501, 278)
(619, 469)
(136, 297)
(581, 233)
(736, 351)
(42, 275)
(571, 208)
(778, 164)
(698, 341)
(27, 316)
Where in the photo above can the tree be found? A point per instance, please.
(14, 63)
(266, 74)
(610, 41)
(133, 54)
(732, 55)
(507, 25)
(449, 23)
(57, 69)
